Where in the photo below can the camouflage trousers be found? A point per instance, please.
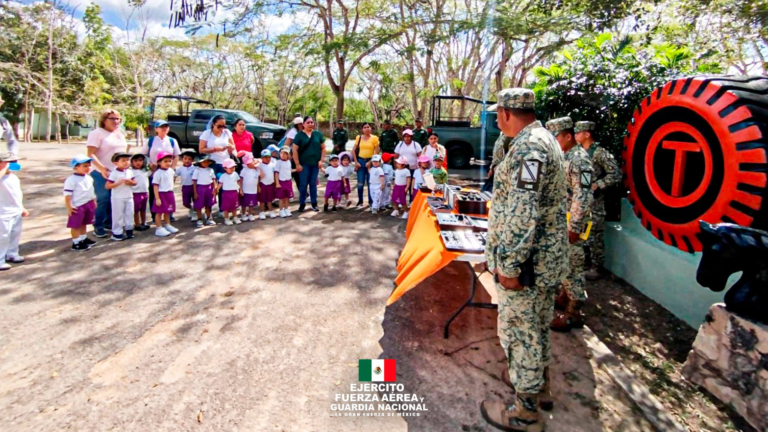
(524, 318)
(596, 240)
(574, 284)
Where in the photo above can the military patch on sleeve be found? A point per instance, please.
(586, 179)
(529, 176)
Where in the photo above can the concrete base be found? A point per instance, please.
(662, 272)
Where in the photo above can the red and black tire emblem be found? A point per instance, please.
(697, 149)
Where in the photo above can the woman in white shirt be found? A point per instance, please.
(218, 143)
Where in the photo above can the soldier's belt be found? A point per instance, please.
(587, 227)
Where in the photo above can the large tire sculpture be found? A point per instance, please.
(697, 149)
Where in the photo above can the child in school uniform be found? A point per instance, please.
(334, 186)
(229, 185)
(389, 177)
(249, 188)
(283, 185)
(348, 170)
(11, 212)
(266, 184)
(204, 182)
(418, 173)
(165, 201)
(402, 184)
(80, 199)
(120, 182)
(185, 171)
(376, 183)
(140, 192)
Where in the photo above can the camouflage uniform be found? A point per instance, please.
(606, 174)
(527, 220)
(421, 136)
(340, 139)
(388, 140)
(578, 177)
(500, 149)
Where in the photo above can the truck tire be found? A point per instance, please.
(697, 149)
(458, 155)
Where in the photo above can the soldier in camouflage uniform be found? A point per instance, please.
(528, 242)
(388, 139)
(420, 135)
(607, 174)
(340, 137)
(578, 176)
(499, 150)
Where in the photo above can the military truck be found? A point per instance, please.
(461, 135)
(186, 126)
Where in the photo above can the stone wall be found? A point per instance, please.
(730, 359)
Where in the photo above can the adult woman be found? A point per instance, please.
(242, 138)
(434, 148)
(102, 143)
(218, 143)
(366, 145)
(154, 146)
(308, 150)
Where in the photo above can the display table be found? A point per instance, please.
(424, 255)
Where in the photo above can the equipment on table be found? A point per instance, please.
(464, 241)
(451, 221)
(437, 205)
(467, 201)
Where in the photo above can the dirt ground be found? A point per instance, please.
(259, 326)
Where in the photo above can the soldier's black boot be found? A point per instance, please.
(521, 416)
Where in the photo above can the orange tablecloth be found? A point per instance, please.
(424, 253)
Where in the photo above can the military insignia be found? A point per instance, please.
(586, 179)
(530, 175)
(378, 370)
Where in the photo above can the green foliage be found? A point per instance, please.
(605, 79)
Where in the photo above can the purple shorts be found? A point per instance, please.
(140, 200)
(267, 194)
(333, 189)
(82, 216)
(187, 195)
(229, 200)
(205, 198)
(347, 188)
(165, 203)
(285, 191)
(398, 195)
(249, 200)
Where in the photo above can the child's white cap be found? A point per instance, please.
(376, 158)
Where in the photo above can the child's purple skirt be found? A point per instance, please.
(82, 216)
(347, 188)
(249, 200)
(333, 189)
(398, 195)
(229, 200)
(187, 195)
(205, 197)
(140, 200)
(285, 191)
(267, 194)
(165, 203)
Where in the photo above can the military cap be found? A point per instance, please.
(559, 124)
(387, 121)
(520, 98)
(584, 126)
(340, 121)
(419, 119)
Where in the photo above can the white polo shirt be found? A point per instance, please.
(142, 181)
(335, 174)
(186, 174)
(229, 181)
(203, 176)
(123, 191)
(250, 177)
(80, 188)
(283, 169)
(163, 178)
(269, 172)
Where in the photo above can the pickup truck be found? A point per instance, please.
(459, 135)
(186, 126)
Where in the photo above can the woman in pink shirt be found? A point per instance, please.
(102, 143)
(242, 138)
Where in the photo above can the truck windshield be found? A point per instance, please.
(247, 117)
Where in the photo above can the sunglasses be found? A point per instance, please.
(115, 119)
(220, 126)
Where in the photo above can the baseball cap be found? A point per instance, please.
(437, 156)
(386, 157)
(163, 155)
(247, 158)
(273, 148)
(266, 152)
(298, 120)
(119, 155)
(285, 149)
(79, 159)
(159, 123)
(423, 158)
(376, 158)
(402, 160)
(333, 156)
(229, 163)
(407, 132)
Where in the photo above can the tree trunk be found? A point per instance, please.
(49, 95)
(27, 118)
(340, 101)
(58, 129)
(31, 124)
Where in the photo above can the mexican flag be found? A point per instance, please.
(377, 370)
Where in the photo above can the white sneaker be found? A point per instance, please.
(251, 218)
(272, 215)
(228, 222)
(288, 213)
(210, 222)
(192, 215)
(5, 266)
(395, 213)
(162, 232)
(171, 229)
(199, 224)
(405, 215)
(281, 213)
(14, 259)
(262, 216)
(237, 220)
(374, 211)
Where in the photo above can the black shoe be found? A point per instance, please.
(80, 247)
(334, 209)
(142, 227)
(301, 208)
(128, 234)
(100, 233)
(117, 237)
(325, 208)
(359, 205)
(88, 241)
(314, 208)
